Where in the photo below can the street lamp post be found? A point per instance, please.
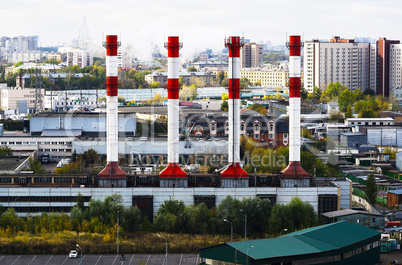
(166, 248)
(78, 246)
(231, 229)
(236, 255)
(117, 232)
(245, 224)
(247, 254)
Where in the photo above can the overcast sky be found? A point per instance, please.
(203, 23)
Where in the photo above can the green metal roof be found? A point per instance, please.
(320, 239)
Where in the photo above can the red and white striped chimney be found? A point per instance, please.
(112, 168)
(294, 169)
(173, 170)
(234, 170)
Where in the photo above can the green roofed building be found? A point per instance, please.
(336, 243)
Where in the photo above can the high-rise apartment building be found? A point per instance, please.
(76, 56)
(251, 55)
(395, 67)
(386, 58)
(339, 60)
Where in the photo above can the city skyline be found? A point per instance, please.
(200, 25)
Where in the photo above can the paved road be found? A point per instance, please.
(176, 259)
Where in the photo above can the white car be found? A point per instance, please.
(73, 254)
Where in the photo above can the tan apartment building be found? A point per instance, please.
(251, 55)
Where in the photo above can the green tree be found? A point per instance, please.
(36, 166)
(131, 219)
(333, 90)
(192, 69)
(301, 214)
(19, 64)
(258, 213)
(74, 156)
(171, 216)
(155, 85)
(336, 117)
(220, 76)
(293, 216)
(225, 82)
(244, 83)
(229, 209)
(303, 93)
(315, 96)
(80, 201)
(224, 106)
(193, 92)
(258, 108)
(371, 189)
(90, 157)
(6, 150)
(197, 218)
(349, 112)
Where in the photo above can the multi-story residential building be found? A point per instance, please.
(343, 61)
(124, 59)
(384, 58)
(76, 56)
(251, 55)
(395, 66)
(20, 43)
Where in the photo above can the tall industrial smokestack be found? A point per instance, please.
(234, 44)
(173, 170)
(294, 174)
(112, 169)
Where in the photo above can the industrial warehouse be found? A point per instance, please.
(339, 243)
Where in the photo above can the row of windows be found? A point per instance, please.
(33, 143)
(42, 198)
(54, 150)
(42, 209)
(75, 103)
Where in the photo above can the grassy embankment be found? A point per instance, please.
(92, 243)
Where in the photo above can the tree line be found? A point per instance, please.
(172, 217)
(363, 104)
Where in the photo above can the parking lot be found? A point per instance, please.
(130, 259)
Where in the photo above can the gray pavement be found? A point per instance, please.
(176, 259)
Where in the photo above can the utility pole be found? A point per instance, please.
(231, 229)
(117, 232)
(245, 224)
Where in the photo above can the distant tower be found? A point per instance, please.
(83, 35)
(173, 175)
(294, 175)
(112, 175)
(234, 175)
